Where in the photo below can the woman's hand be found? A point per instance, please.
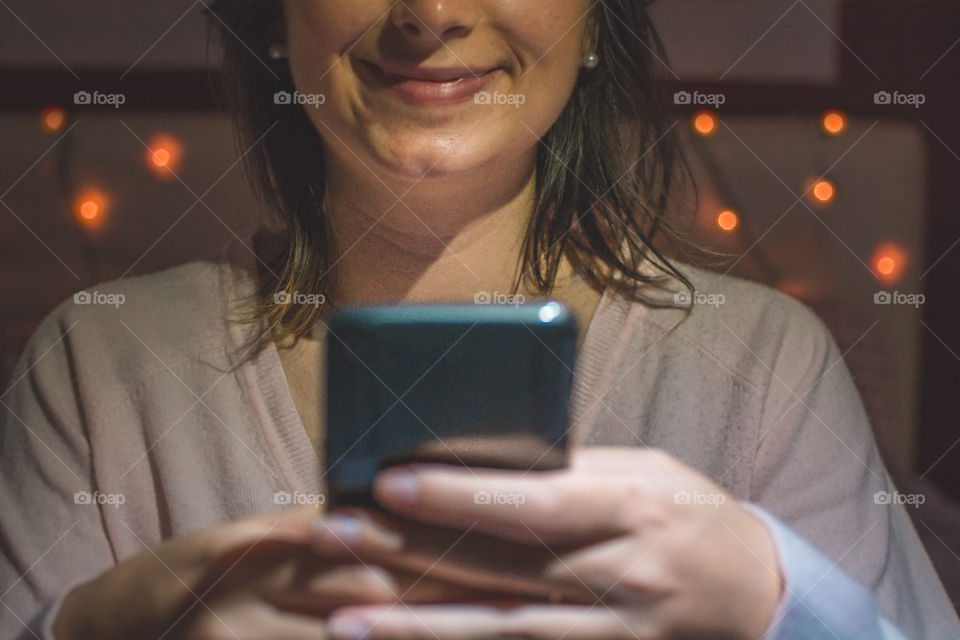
(275, 575)
(658, 550)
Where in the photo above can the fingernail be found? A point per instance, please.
(399, 486)
(348, 629)
(342, 527)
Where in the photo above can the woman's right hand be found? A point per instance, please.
(275, 575)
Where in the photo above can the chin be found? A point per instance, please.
(435, 157)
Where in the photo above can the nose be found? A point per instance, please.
(433, 22)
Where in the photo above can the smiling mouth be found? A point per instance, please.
(429, 86)
(435, 75)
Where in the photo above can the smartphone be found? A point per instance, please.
(484, 385)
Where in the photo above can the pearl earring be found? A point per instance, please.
(591, 60)
(277, 51)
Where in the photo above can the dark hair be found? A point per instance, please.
(605, 170)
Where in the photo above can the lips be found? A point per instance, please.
(425, 86)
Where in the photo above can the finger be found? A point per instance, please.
(551, 508)
(245, 620)
(293, 627)
(445, 563)
(624, 569)
(472, 622)
(249, 548)
(355, 534)
(290, 526)
(415, 587)
(618, 460)
(359, 584)
(280, 624)
(319, 593)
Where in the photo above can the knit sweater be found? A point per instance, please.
(133, 417)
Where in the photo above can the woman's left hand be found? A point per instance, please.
(664, 552)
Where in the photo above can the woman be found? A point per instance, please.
(429, 151)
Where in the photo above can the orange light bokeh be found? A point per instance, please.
(161, 157)
(705, 123)
(91, 206)
(52, 119)
(164, 154)
(889, 263)
(89, 209)
(728, 220)
(824, 191)
(834, 122)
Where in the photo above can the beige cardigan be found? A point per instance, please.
(137, 402)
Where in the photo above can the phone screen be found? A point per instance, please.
(478, 385)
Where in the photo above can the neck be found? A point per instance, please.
(439, 239)
(436, 239)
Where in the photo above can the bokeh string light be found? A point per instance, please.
(705, 123)
(728, 220)
(53, 119)
(91, 207)
(834, 122)
(91, 203)
(163, 155)
(889, 262)
(824, 191)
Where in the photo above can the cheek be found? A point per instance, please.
(544, 31)
(547, 38)
(321, 33)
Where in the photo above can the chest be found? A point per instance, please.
(305, 370)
